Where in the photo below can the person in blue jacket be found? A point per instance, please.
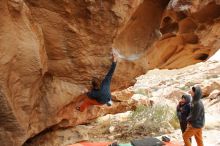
(183, 111)
(100, 95)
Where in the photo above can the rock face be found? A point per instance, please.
(50, 51)
(164, 85)
(189, 34)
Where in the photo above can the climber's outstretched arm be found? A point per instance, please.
(109, 75)
(111, 71)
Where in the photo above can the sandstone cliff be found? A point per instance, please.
(50, 50)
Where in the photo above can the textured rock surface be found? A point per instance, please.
(190, 34)
(50, 50)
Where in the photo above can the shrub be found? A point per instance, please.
(152, 119)
(175, 122)
(147, 120)
(185, 88)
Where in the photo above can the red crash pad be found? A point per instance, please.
(171, 143)
(92, 144)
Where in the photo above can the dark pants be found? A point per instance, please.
(183, 126)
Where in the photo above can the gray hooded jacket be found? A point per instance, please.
(197, 114)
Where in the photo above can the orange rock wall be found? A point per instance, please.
(50, 50)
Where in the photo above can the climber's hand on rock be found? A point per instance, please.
(84, 91)
(114, 57)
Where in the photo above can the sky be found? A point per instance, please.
(216, 56)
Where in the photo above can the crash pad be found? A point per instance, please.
(125, 144)
(92, 144)
(171, 143)
(149, 141)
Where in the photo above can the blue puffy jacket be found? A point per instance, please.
(103, 95)
(183, 110)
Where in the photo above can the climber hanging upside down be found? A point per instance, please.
(100, 94)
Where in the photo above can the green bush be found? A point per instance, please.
(152, 119)
(146, 120)
(175, 122)
(185, 88)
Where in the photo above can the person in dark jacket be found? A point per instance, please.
(100, 94)
(196, 118)
(183, 110)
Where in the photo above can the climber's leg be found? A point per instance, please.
(87, 103)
